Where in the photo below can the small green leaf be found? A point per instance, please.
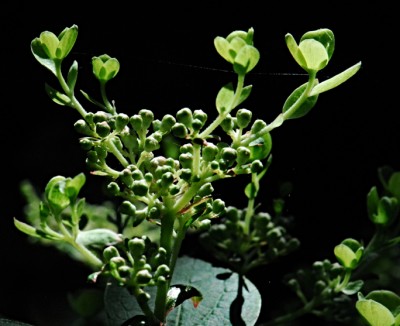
(40, 55)
(261, 147)
(375, 313)
(304, 108)
(33, 232)
(372, 202)
(387, 298)
(324, 36)
(250, 190)
(314, 54)
(335, 80)
(246, 59)
(345, 256)
(244, 94)
(224, 98)
(73, 186)
(294, 50)
(98, 238)
(55, 194)
(72, 76)
(222, 46)
(57, 96)
(67, 40)
(353, 287)
(394, 185)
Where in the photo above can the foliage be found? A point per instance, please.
(159, 174)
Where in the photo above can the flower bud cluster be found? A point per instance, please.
(138, 263)
(230, 243)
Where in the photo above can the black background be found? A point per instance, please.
(168, 62)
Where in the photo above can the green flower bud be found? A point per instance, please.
(113, 188)
(227, 123)
(186, 174)
(121, 121)
(162, 270)
(151, 144)
(148, 177)
(197, 124)
(243, 118)
(147, 117)
(200, 115)
(137, 174)
(82, 127)
(101, 152)
(100, 116)
(126, 177)
(232, 213)
(136, 247)
(167, 122)
(125, 271)
(157, 135)
(86, 144)
(214, 165)
(136, 122)
(154, 213)
(174, 189)
(186, 160)
(92, 156)
(179, 130)
(209, 152)
(161, 170)
(129, 140)
(205, 190)
(275, 233)
(257, 126)
(256, 166)
(103, 129)
(167, 179)
(105, 67)
(185, 116)
(116, 262)
(110, 252)
(243, 155)
(218, 206)
(186, 148)
(117, 143)
(292, 245)
(143, 277)
(228, 154)
(156, 125)
(349, 253)
(140, 188)
(127, 208)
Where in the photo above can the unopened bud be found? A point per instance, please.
(121, 121)
(243, 118)
(209, 152)
(167, 122)
(179, 130)
(185, 116)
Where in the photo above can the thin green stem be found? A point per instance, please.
(110, 108)
(116, 152)
(225, 113)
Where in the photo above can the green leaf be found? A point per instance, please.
(55, 194)
(353, 287)
(394, 185)
(33, 232)
(250, 190)
(294, 50)
(335, 80)
(324, 36)
(223, 47)
(57, 96)
(314, 54)
(375, 313)
(224, 98)
(40, 55)
(98, 238)
(244, 94)
(214, 309)
(74, 186)
(388, 298)
(246, 59)
(92, 100)
(67, 40)
(261, 147)
(372, 203)
(304, 108)
(72, 76)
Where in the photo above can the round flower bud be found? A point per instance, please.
(185, 116)
(157, 135)
(186, 174)
(218, 206)
(137, 174)
(186, 148)
(243, 155)
(200, 115)
(179, 130)
(92, 156)
(136, 247)
(86, 144)
(148, 177)
(197, 124)
(227, 123)
(100, 116)
(257, 126)
(127, 208)
(109, 253)
(143, 277)
(214, 165)
(232, 213)
(167, 122)
(113, 188)
(151, 144)
(83, 128)
(167, 179)
(243, 118)
(147, 118)
(205, 190)
(209, 152)
(174, 189)
(136, 122)
(126, 178)
(156, 125)
(101, 152)
(154, 213)
(256, 166)
(140, 188)
(186, 160)
(103, 129)
(228, 154)
(121, 121)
